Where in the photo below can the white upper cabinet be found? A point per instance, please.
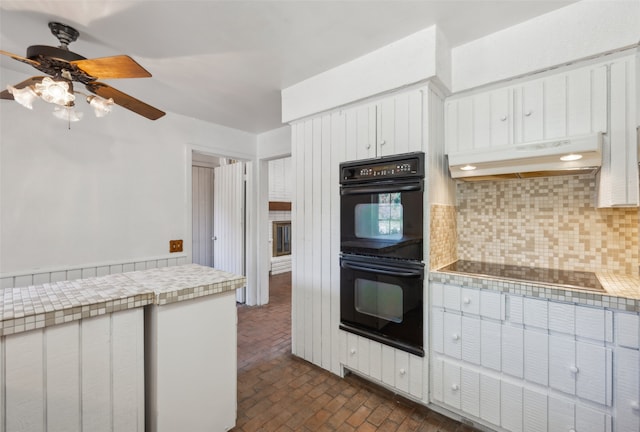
(618, 185)
(390, 126)
(560, 105)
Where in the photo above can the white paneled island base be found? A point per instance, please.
(143, 351)
(191, 365)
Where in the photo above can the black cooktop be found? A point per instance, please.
(566, 278)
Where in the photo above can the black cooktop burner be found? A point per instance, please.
(567, 278)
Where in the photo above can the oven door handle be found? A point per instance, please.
(408, 273)
(411, 187)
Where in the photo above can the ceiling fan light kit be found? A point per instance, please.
(66, 67)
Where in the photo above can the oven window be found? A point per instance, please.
(381, 220)
(379, 299)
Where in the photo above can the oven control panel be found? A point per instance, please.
(399, 166)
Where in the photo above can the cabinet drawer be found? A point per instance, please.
(627, 334)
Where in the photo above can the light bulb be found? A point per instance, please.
(67, 113)
(56, 92)
(24, 96)
(101, 106)
(468, 168)
(571, 157)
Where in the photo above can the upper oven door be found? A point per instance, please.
(383, 219)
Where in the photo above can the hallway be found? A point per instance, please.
(279, 392)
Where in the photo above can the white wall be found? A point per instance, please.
(407, 61)
(108, 190)
(275, 143)
(577, 31)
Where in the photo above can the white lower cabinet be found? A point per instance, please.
(388, 366)
(533, 365)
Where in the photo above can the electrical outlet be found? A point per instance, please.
(175, 246)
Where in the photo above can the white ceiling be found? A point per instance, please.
(226, 61)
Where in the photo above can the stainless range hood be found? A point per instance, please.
(570, 155)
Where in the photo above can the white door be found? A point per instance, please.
(202, 216)
(228, 221)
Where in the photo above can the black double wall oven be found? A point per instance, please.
(381, 245)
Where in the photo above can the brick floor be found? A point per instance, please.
(280, 392)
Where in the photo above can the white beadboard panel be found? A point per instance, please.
(590, 420)
(561, 414)
(24, 382)
(470, 301)
(325, 253)
(388, 365)
(62, 346)
(452, 335)
(309, 247)
(363, 355)
(437, 330)
(516, 309)
(492, 305)
(337, 155)
(452, 297)
(317, 240)
(57, 275)
(452, 385)
(127, 351)
(437, 379)
(95, 342)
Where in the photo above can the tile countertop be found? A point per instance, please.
(621, 291)
(39, 306)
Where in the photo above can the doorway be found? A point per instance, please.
(280, 233)
(218, 214)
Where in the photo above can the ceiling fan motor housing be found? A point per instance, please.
(64, 33)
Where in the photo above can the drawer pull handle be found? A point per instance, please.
(466, 300)
(455, 387)
(402, 371)
(528, 113)
(455, 336)
(635, 405)
(368, 146)
(353, 351)
(503, 118)
(574, 369)
(383, 142)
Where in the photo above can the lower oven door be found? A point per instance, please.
(382, 299)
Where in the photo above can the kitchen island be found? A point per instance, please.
(75, 355)
(520, 355)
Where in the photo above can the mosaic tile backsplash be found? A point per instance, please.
(442, 236)
(545, 222)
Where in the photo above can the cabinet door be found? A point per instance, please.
(512, 351)
(459, 125)
(399, 124)
(594, 376)
(590, 420)
(511, 406)
(491, 344)
(471, 340)
(562, 364)
(529, 113)
(490, 399)
(470, 392)
(627, 390)
(451, 380)
(452, 335)
(586, 100)
(535, 411)
(536, 357)
(561, 415)
(501, 120)
(361, 130)
(402, 371)
(470, 301)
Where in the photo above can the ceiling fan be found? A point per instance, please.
(66, 67)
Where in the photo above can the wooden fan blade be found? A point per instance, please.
(30, 81)
(121, 66)
(21, 59)
(125, 100)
